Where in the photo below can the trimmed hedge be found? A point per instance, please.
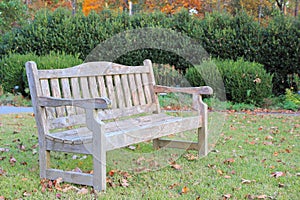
(276, 46)
(244, 82)
(13, 73)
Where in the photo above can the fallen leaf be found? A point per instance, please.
(57, 183)
(288, 150)
(131, 147)
(263, 196)
(226, 196)
(228, 161)
(190, 156)
(111, 172)
(26, 194)
(83, 191)
(250, 197)
(260, 128)
(245, 181)
(227, 177)
(58, 196)
(23, 163)
(124, 182)
(2, 198)
(275, 153)
(175, 166)
(4, 150)
(297, 174)
(269, 137)
(184, 190)
(277, 174)
(219, 171)
(66, 189)
(12, 161)
(2, 158)
(2, 172)
(267, 143)
(281, 185)
(77, 169)
(173, 185)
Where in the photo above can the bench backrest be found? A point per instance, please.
(130, 88)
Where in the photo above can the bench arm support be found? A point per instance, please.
(95, 103)
(204, 90)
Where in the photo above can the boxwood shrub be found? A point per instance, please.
(13, 73)
(244, 82)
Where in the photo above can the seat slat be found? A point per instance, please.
(124, 132)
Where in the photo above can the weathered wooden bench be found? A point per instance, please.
(81, 109)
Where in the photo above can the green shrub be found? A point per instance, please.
(292, 100)
(13, 73)
(244, 82)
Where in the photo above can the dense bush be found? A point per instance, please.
(244, 82)
(276, 46)
(13, 73)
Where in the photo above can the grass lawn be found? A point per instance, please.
(256, 157)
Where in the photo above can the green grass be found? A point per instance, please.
(250, 147)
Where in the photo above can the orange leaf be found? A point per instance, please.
(228, 161)
(184, 190)
(226, 196)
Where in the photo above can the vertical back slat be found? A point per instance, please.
(76, 93)
(127, 94)
(93, 87)
(133, 89)
(140, 89)
(55, 89)
(146, 84)
(46, 92)
(66, 92)
(119, 91)
(111, 91)
(84, 87)
(102, 87)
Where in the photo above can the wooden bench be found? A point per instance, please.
(78, 109)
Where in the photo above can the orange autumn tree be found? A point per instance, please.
(98, 5)
(172, 6)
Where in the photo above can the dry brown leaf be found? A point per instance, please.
(2, 172)
(26, 194)
(288, 150)
(83, 191)
(111, 172)
(263, 196)
(124, 182)
(250, 197)
(275, 153)
(219, 171)
(12, 161)
(228, 161)
(173, 185)
(226, 196)
(245, 181)
(175, 166)
(269, 137)
(277, 174)
(227, 177)
(190, 156)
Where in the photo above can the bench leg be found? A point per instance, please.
(202, 141)
(156, 144)
(99, 162)
(44, 161)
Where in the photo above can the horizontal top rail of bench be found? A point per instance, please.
(92, 69)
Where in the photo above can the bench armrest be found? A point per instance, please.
(95, 103)
(189, 90)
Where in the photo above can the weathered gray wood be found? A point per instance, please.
(133, 89)
(102, 87)
(140, 89)
(99, 149)
(111, 91)
(66, 92)
(92, 69)
(127, 94)
(98, 128)
(76, 92)
(93, 86)
(119, 91)
(46, 92)
(106, 114)
(55, 89)
(96, 103)
(69, 176)
(204, 90)
(40, 116)
(84, 88)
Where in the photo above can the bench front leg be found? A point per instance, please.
(99, 149)
(199, 105)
